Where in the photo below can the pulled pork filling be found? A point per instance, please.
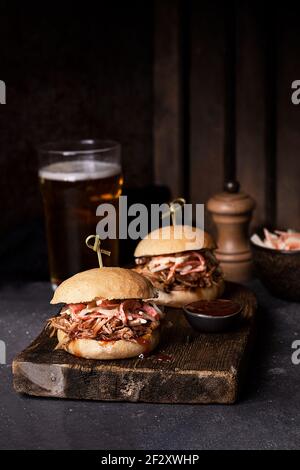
(180, 271)
(108, 320)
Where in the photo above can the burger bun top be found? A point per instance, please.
(106, 283)
(174, 239)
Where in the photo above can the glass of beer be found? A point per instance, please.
(75, 177)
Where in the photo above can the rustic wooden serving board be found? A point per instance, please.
(187, 367)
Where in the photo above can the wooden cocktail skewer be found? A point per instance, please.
(97, 248)
(174, 206)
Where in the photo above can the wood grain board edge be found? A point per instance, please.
(132, 385)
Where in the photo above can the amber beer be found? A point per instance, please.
(72, 191)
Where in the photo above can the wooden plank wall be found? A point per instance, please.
(250, 122)
(168, 98)
(288, 137)
(207, 75)
(72, 76)
(233, 103)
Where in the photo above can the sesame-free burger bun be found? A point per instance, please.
(174, 239)
(106, 283)
(118, 349)
(180, 298)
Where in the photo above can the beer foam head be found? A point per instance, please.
(79, 170)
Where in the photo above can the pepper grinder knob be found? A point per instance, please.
(231, 211)
(232, 187)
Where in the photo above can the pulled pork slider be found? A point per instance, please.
(180, 262)
(107, 314)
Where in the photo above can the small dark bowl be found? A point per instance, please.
(211, 324)
(278, 270)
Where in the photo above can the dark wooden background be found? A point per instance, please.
(197, 92)
(230, 65)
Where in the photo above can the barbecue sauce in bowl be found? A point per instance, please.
(213, 315)
(214, 308)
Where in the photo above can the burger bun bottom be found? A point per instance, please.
(180, 298)
(105, 350)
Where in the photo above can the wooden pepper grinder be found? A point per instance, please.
(232, 211)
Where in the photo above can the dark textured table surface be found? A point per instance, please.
(266, 417)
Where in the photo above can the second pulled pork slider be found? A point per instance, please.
(107, 314)
(181, 264)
